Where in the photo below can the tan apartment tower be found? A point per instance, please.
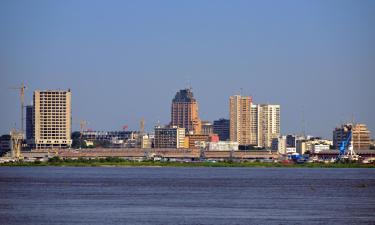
(52, 118)
(240, 119)
(184, 112)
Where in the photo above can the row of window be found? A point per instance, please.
(52, 101)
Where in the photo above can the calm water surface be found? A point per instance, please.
(65, 195)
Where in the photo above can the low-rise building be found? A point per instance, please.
(223, 146)
(5, 144)
(290, 150)
(109, 135)
(146, 141)
(221, 128)
(116, 139)
(169, 137)
(279, 144)
(316, 148)
(207, 128)
(311, 145)
(197, 140)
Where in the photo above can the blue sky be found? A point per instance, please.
(125, 60)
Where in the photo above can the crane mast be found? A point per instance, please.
(346, 146)
(22, 97)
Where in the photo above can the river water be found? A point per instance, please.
(97, 195)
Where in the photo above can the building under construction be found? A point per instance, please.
(50, 123)
(361, 139)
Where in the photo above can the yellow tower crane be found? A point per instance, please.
(22, 96)
(142, 126)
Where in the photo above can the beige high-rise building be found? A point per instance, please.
(268, 124)
(52, 118)
(240, 119)
(255, 128)
(184, 112)
(252, 124)
(361, 136)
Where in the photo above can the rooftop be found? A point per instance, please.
(184, 95)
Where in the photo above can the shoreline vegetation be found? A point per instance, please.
(118, 162)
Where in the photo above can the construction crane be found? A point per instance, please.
(22, 97)
(142, 126)
(346, 146)
(82, 126)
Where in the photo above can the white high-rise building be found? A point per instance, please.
(52, 119)
(269, 124)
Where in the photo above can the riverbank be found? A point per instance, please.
(117, 162)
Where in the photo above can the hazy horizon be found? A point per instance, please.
(126, 60)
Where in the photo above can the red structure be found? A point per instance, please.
(214, 138)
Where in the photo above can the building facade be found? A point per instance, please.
(312, 145)
(5, 144)
(196, 140)
(169, 137)
(240, 122)
(291, 141)
(52, 119)
(223, 146)
(221, 128)
(361, 136)
(268, 124)
(207, 128)
(280, 144)
(30, 124)
(253, 124)
(184, 112)
(109, 135)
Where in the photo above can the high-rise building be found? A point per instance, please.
(29, 123)
(255, 126)
(252, 124)
(221, 128)
(360, 136)
(169, 137)
(52, 119)
(184, 112)
(269, 124)
(240, 121)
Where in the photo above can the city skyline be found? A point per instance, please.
(319, 68)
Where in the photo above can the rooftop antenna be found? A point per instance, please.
(189, 84)
(241, 91)
(158, 123)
